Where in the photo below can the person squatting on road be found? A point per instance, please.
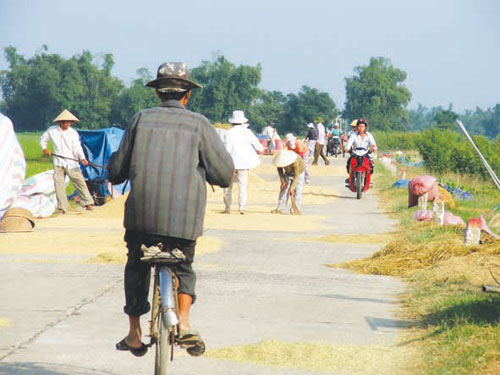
(361, 139)
(169, 154)
(320, 142)
(291, 171)
(242, 145)
(67, 146)
(297, 146)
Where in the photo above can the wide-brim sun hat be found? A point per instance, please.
(173, 76)
(319, 119)
(310, 125)
(66, 116)
(238, 117)
(290, 137)
(354, 123)
(284, 158)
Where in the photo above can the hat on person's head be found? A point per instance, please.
(354, 123)
(238, 117)
(318, 119)
(362, 120)
(66, 116)
(310, 125)
(337, 125)
(284, 158)
(173, 77)
(290, 137)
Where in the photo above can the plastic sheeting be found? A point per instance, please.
(12, 165)
(98, 146)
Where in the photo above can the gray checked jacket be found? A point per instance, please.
(169, 153)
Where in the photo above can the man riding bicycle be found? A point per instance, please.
(169, 154)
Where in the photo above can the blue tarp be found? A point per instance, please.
(400, 184)
(98, 145)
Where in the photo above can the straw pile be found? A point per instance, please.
(318, 357)
(400, 257)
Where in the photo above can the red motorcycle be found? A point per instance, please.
(359, 171)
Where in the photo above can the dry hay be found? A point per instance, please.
(318, 357)
(266, 168)
(400, 257)
(260, 218)
(4, 322)
(261, 191)
(476, 269)
(380, 238)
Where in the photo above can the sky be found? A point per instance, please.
(449, 49)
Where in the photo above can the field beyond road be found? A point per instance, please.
(267, 303)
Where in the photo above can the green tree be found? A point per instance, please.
(304, 107)
(35, 90)
(445, 119)
(268, 107)
(226, 87)
(377, 93)
(133, 99)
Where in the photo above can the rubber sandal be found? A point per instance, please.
(188, 338)
(138, 352)
(197, 349)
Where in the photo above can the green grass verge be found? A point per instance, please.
(457, 327)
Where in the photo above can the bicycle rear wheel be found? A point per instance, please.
(163, 347)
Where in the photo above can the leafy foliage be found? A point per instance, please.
(35, 90)
(305, 107)
(377, 93)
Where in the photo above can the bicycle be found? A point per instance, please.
(164, 324)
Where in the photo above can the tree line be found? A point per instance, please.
(35, 89)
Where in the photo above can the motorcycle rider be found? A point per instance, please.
(361, 139)
(336, 132)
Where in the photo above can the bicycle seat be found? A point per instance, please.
(155, 255)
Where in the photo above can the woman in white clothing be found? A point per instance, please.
(243, 146)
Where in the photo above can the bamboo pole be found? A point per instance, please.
(485, 163)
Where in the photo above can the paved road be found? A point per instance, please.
(65, 317)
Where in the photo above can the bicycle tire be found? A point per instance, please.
(359, 179)
(162, 347)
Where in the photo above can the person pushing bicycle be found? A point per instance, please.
(169, 154)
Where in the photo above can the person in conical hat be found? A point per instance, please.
(169, 154)
(243, 146)
(68, 154)
(291, 169)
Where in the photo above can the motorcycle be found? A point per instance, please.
(359, 172)
(333, 146)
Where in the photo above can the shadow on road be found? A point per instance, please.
(45, 368)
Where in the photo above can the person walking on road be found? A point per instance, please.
(311, 137)
(169, 154)
(320, 142)
(242, 145)
(291, 171)
(67, 152)
(272, 135)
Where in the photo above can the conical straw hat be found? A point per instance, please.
(284, 158)
(66, 116)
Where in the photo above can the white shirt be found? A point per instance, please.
(321, 133)
(356, 141)
(66, 143)
(271, 132)
(242, 145)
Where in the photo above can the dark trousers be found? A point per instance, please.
(138, 273)
(318, 151)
